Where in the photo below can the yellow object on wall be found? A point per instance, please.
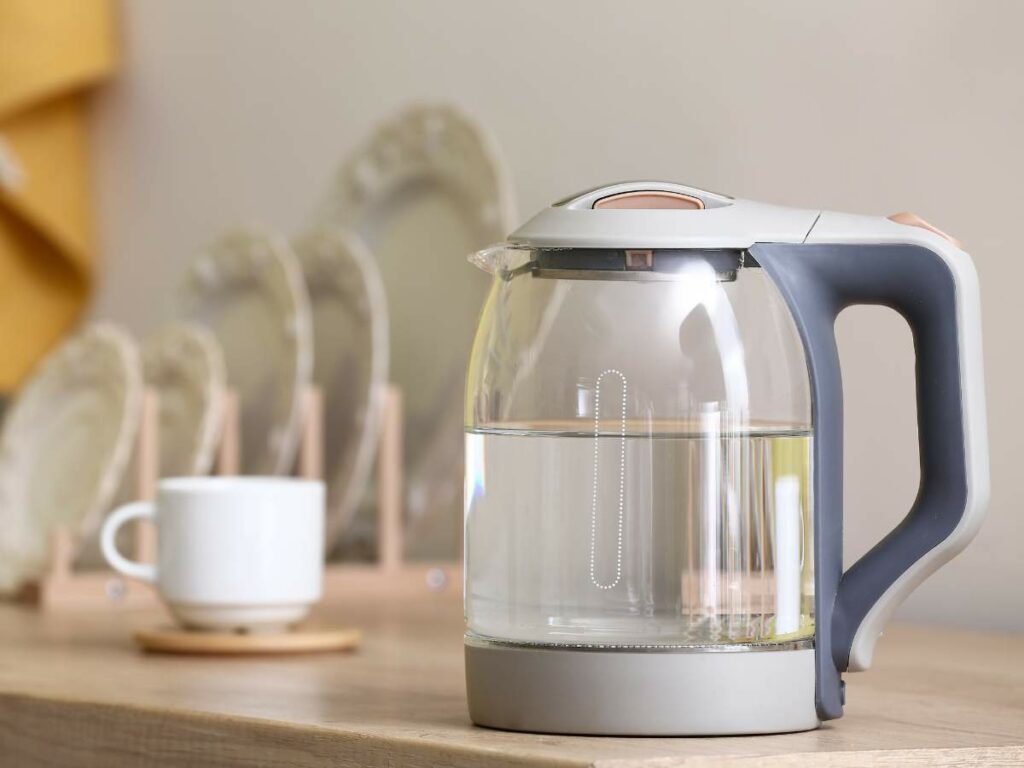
(51, 53)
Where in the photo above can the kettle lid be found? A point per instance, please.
(658, 214)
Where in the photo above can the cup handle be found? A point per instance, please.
(120, 563)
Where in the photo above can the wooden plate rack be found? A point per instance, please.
(65, 586)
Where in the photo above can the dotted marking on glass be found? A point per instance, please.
(622, 483)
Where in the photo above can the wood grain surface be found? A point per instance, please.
(74, 691)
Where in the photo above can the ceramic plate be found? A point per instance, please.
(350, 361)
(247, 290)
(64, 446)
(426, 190)
(184, 365)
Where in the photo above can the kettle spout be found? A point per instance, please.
(490, 259)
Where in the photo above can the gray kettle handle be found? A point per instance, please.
(937, 295)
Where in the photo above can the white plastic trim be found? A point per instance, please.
(640, 693)
(847, 228)
(724, 224)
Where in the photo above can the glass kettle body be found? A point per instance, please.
(653, 461)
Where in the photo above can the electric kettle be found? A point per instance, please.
(654, 437)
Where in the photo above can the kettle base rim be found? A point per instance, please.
(626, 693)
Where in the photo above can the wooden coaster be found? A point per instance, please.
(176, 640)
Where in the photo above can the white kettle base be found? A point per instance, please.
(641, 693)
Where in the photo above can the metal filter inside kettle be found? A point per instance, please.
(654, 437)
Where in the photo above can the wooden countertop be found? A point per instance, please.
(75, 692)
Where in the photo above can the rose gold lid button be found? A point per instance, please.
(913, 220)
(650, 200)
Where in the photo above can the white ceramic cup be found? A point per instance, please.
(232, 552)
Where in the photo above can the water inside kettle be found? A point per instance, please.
(639, 538)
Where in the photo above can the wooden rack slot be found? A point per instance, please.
(311, 444)
(229, 450)
(389, 484)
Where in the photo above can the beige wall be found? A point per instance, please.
(235, 110)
